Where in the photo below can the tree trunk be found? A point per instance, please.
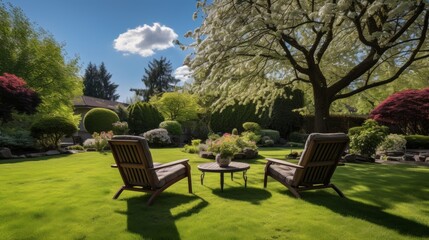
(321, 112)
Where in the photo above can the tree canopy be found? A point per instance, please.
(97, 83)
(249, 50)
(177, 106)
(157, 79)
(32, 54)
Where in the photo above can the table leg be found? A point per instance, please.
(221, 181)
(245, 178)
(202, 178)
(232, 176)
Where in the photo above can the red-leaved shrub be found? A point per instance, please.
(407, 110)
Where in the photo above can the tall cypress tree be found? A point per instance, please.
(157, 79)
(97, 83)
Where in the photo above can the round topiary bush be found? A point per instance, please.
(173, 127)
(143, 117)
(49, 130)
(99, 120)
(251, 127)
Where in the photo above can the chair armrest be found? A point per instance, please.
(272, 160)
(114, 165)
(182, 161)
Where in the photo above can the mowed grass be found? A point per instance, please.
(70, 197)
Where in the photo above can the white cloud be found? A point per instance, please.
(145, 40)
(183, 73)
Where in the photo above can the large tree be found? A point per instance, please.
(250, 49)
(157, 79)
(97, 83)
(32, 54)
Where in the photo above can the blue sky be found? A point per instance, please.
(124, 34)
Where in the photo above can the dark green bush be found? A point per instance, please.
(235, 116)
(173, 127)
(272, 134)
(365, 141)
(143, 117)
(49, 131)
(296, 137)
(417, 142)
(99, 120)
(252, 127)
(19, 139)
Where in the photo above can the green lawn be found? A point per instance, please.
(69, 197)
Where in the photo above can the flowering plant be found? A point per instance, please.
(158, 136)
(101, 139)
(226, 146)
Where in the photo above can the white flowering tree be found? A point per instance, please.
(250, 50)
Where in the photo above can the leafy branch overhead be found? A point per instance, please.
(251, 49)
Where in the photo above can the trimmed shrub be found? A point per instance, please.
(417, 142)
(272, 134)
(157, 137)
(252, 127)
(143, 117)
(173, 127)
(251, 136)
(194, 147)
(234, 131)
(99, 120)
(49, 131)
(18, 139)
(365, 141)
(120, 128)
(76, 147)
(393, 142)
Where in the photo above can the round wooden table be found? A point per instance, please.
(232, 167)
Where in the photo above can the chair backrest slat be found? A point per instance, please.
(134, 160)
(320, 158)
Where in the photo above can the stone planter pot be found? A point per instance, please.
(223, 162)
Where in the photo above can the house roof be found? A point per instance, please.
(91, 102)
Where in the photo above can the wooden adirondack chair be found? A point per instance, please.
(139, 173)
(315, 167)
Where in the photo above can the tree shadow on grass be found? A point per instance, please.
(374, 214)
(252, 195)
(158, 220)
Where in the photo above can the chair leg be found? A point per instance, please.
(153, 196)
(294, 191)
(338, 190)
(189, 183)
(119, 192)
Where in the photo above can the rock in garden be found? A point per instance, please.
(5, 153)
(52, 152)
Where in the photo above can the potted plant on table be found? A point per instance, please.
(225, 148)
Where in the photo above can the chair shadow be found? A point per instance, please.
(249, 194)
(148, 220)
(374, 214)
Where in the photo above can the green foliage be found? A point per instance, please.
(194, 147)
(284, 117)
(393, 142)
(31, 53)
(251, 136)
(157, 79)
(213, 136)
(297, 137)
(272, 134)
(234, 131)
(143, 117)
(417, 142)
(235, 116)
(252, 127)
(225, 146)
(122, 112)
(173, 127)
(100, 120)
(20, 139)
(177, 106)
(76, 147)
(49, 131)
(366, 140)
(120, 128)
